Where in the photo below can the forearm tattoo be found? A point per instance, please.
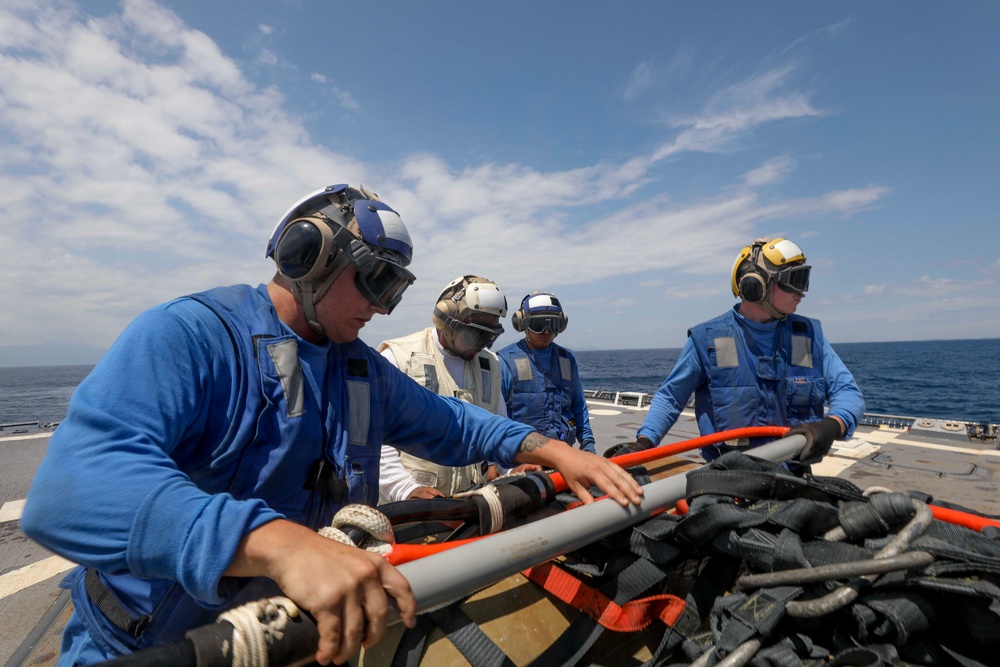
(532, 442)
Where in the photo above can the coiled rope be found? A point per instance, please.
(258, 624)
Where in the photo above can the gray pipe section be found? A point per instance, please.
(442, 578)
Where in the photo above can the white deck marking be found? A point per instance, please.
(884, 437)
(29, 575)
(11, 511)
(33, 436)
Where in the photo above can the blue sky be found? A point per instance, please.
(617, 154)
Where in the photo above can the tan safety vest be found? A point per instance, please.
(417, 355)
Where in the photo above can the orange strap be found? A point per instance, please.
(630, 617)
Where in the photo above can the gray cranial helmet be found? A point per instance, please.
(460, 299)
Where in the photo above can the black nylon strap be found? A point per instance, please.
(110, 607)
(572, 644)
(411, 645)
(460, 630)
(469, 639)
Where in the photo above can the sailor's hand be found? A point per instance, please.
(344, 588)
(581, 470)
(819, 438)
(640, 444)
(424, 493)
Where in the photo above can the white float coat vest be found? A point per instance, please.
(418, 356)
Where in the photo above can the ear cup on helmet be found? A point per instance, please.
(444, 310)
(517, 321)
(306, 251)
(753, 287)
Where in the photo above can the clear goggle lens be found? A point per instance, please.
(794, 279)
(541, 323)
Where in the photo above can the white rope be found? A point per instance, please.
(256, 625)
(492, 498)
(375, 524)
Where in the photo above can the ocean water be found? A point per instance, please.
(30, 393)
(944, 379)
(954, 379)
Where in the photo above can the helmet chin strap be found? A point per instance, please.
(766, 303)
(309, 293)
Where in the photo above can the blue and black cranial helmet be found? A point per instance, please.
(540, 312)
(326, 231)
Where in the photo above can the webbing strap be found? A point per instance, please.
(474, 645)
(572, 644)
(740, 617)
(630, 617)
(110, 607)
(410, 649)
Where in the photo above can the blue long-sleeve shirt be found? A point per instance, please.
(137, 478)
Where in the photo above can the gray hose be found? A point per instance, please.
(847, 594)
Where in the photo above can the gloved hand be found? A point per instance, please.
(819, 438)
(641, 443)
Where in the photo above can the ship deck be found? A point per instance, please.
(950, 461)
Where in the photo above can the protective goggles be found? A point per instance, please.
(794, 279)
(538, 324)
(307, 248)
(473, 336)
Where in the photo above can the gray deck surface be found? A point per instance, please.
(929, 458)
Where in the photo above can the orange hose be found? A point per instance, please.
(404, 553)
(965, 519)
(647, 455)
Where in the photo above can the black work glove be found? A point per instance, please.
(819, 438)
(641, 443)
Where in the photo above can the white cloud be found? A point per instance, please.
(264, 29)
(640, 80)
(772, 171)
(163, 174)
(167, 170)
(267, 57)
(738, 109)
(345, 99)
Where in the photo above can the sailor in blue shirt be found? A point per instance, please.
(541, 381)
(760, 364)
(224, 428)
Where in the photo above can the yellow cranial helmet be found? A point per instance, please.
(765, 261)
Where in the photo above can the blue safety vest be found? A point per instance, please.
(747, 388)
(542, 397)
(270, 452)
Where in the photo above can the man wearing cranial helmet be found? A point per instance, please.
(761, 364)
(223, 429)
(451, 358)
(541, 380)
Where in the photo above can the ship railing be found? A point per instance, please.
(636, 399)
(13, 424)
